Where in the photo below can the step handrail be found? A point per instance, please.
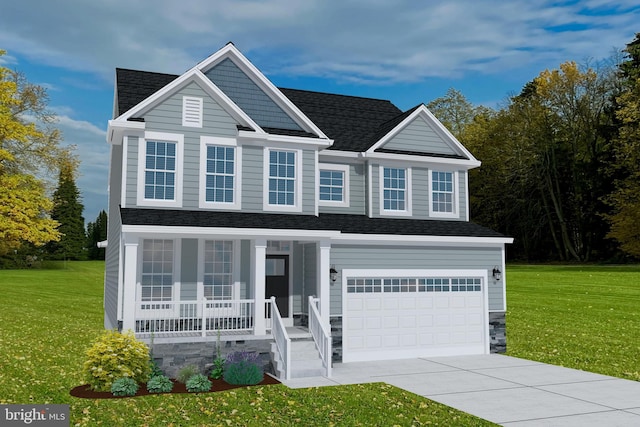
(320, 334)
(283, 342)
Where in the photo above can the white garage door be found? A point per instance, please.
(413, 314)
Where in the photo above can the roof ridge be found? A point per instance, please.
(335, 94)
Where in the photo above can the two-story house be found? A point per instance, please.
(226, 191)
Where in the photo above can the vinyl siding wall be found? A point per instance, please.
(357, 193)
(112, 254)
(420, 137)
(400, 257)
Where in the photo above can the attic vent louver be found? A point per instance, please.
(192, 112)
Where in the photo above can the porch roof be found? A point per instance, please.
(348, 224)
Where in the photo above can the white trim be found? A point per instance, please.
(455, 195)
(125, 172)
(117, 129)
(316, 184)
(423, 160)
(342, 154)
(370, 189)
(176, 138)
(253, 138)
(414, 240)
(192, 110)
(466, 195)
(345, 184)
(229, 51)
(407, 211)
(237, 187)
(297, 203)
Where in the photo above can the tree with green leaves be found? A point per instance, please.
(67, 210)
(97, 232)
(625, 200)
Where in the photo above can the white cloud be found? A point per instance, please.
(352, 39)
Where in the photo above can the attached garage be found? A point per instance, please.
(395, 314)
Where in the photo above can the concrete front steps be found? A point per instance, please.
(305, 359)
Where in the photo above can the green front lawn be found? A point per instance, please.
(583, 317)
(50, 317)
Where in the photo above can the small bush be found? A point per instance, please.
(218, 368)
(159, 384)
(116, 355)
(155, 369)
(243, 373)
(186, 372)
(124, 387)
(198, 383)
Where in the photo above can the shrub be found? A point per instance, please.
(218, 368)
(159, 384)
(125, 386)
(155, 369)
(243, 373)
(116, 355)
(198, 383)
(186, 372)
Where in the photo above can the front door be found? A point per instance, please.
(277, 281)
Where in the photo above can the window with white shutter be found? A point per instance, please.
(192, 111)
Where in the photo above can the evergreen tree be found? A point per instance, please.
(97, 232)
(67, 210)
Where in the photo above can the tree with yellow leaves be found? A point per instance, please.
(29, 145)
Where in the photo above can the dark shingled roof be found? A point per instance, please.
(135, 86)
(349, 224)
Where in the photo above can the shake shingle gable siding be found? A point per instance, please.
(349, 224)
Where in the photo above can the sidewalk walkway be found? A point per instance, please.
(506, 390)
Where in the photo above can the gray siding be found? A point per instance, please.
(397, 258)
(357, 193)
(310, 274)
(252, 178)
(249, 97)
(189, 270)
(112, 262)
(308, 182)
(245, 269)
(167, 117)
(419, 136)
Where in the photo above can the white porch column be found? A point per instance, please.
(323, 254)
(129, 285)
(259, 256)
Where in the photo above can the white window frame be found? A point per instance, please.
(297, 202)
(176, 138)
(455, 195)
(407, 211)
(166, 309)
(235, 274)
(192, 109)
(345, 184)
(206, 141)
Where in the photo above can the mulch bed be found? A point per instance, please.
(85, 392)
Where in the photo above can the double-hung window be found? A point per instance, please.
(333, 187)
(220, 173)
(282, 186)
(395, 191)
(160, 169)
(157, 270)
(218, 269)
(443, 195)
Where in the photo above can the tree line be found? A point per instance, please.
(560, 161)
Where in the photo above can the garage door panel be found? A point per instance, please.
(418, 320)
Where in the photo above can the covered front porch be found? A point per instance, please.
(204, 284)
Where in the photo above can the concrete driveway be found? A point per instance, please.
(506, 390)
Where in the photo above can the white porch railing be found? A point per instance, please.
(280, 336)
(320, 335)
(197, 317)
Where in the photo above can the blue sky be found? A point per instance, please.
(406, 51)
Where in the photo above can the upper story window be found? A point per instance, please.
(443, 195)
(333, 185)
(282, 183)
(160, 170)
(395, 191)
(157, 270)
(191, 111)
(220, 173)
